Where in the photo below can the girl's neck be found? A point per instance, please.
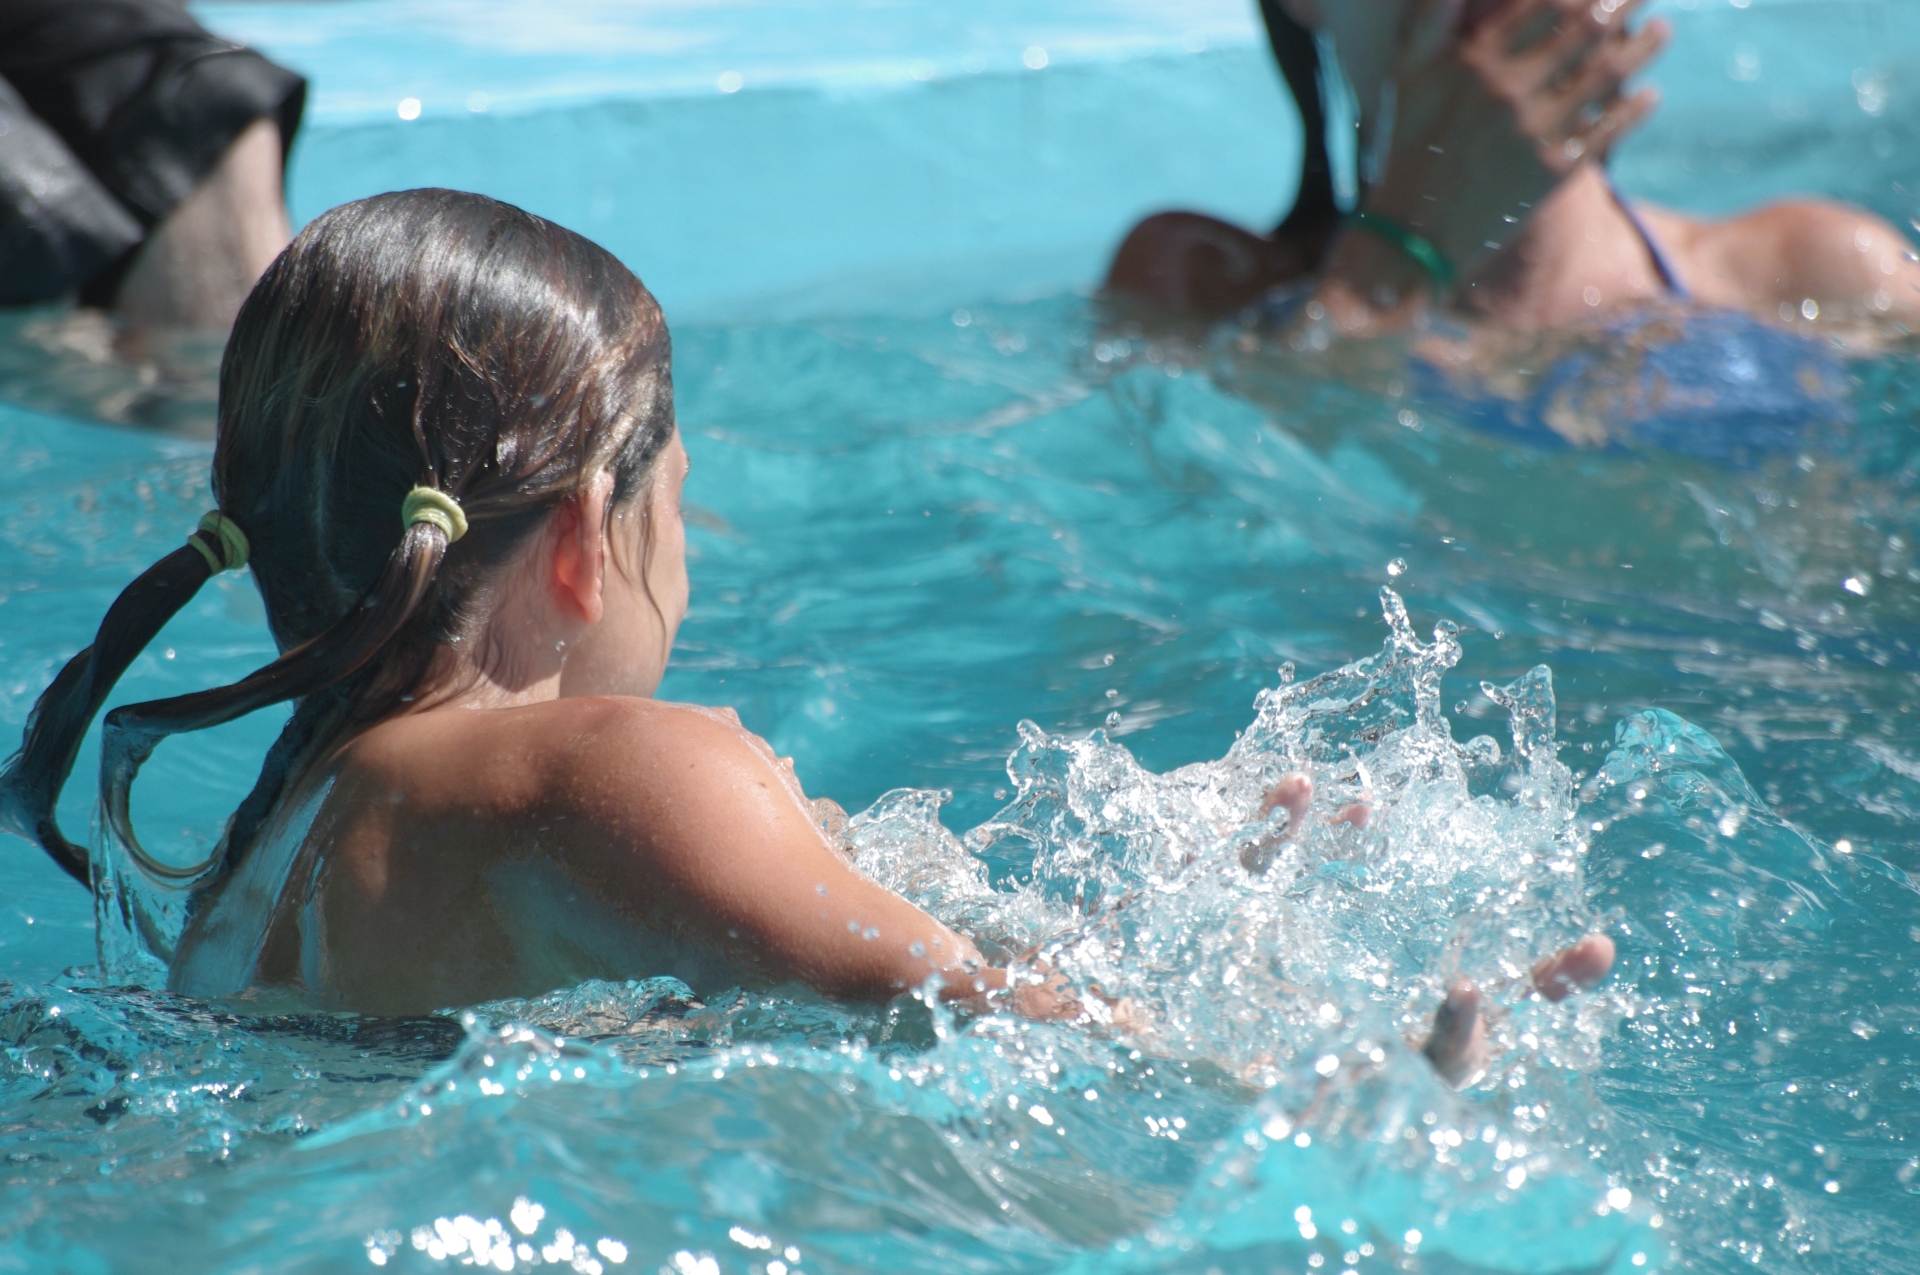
(534, 648)
(483, 674)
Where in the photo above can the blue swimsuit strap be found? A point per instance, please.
(1661, 263)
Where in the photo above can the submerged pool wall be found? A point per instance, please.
(801, 158)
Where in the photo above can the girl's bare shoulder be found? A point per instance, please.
(578, 747)
(1789, 251)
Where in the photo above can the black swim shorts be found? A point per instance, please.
(111, 112)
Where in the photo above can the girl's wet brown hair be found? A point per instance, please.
(423, 338)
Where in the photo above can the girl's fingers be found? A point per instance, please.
(1583, 104)
(1592, 17)
(1293, 793)
(1358, 815)
(1597, 138)
(1646, 43)
(1457, 1047)
(1564, 51)
(1595, 40)
(1617, 14)
(1502, 25)
(1603, 74)
(1591, 138)
(1048, 1002)
(1574, 969)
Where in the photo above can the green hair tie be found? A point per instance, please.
(433, 506)
(216, 526)
(1414, 245)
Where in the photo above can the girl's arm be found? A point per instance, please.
(719, 827)
(1495, 104)
(717, 822)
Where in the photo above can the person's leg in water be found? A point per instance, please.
(198, 265)
(153, 186)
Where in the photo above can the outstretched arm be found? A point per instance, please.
(719, 826)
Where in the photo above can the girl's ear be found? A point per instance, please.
(580, 550)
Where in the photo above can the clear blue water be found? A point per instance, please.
(908, 537)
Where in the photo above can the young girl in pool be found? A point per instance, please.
(447, 450)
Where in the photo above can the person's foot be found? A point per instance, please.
(1457, 1046)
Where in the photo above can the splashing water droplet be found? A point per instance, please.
(1397, 568)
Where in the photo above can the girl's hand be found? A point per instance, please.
(1559, 66)
(1495, 103)
(1294, 794)
(1052, 999)
(1457, 1046)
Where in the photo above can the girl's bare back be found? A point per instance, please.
(462, 855)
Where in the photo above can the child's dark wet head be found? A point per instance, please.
(428, 338)
(411, 390)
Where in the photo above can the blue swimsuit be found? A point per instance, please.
(1718, 385)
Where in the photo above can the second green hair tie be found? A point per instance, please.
(433, 506)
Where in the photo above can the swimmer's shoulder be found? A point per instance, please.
(618, 763)
(1787, 251)
(663, 771)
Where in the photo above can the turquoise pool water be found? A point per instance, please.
(910, 536)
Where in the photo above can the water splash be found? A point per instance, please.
(1303, 962)
(1227, 930)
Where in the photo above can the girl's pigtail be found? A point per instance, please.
(133, 731)
(1298, 53)
(30, 784)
